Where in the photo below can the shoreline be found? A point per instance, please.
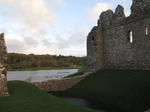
(44, 68)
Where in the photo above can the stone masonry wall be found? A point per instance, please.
(125, 40)
(59, 84)
(94, 50)
(3, 64)
(120, 51)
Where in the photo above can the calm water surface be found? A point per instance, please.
(39, 75)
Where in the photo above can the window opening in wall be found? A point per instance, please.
(146, 30)
(130, 37)
(93, 38)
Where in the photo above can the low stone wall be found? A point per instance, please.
(59, 84)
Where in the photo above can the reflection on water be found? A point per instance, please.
(39, 75)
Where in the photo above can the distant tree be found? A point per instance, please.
(18, 61)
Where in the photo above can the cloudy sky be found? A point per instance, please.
(52, 26)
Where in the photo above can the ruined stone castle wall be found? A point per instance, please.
(3, 64)
(119, 52)
(94, 50)
(125, 40)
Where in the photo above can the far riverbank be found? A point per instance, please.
(44, 68)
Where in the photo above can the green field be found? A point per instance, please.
(126, 90)
(27, 98)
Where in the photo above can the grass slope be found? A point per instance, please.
(127, 90)
(27, 98)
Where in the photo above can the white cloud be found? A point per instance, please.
(32, 14)
(65, 39)
(19, 44)
(95, 11)
(59, 3)
(26, 24)
(78, 37)
(15, 45)
(127, 14)
(31, 42)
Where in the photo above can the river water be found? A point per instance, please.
(39, 75)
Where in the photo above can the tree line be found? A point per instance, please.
(23, 61)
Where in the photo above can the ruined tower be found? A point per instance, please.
(120, 42)
(3, 64)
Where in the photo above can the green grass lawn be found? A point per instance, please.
(27, 98)
(127, 90)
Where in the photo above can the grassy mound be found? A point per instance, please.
(127, 90)
(27, 98)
